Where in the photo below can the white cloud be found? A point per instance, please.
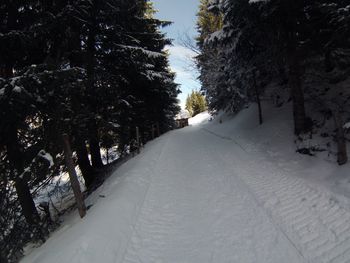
(181, 53)
(182, 72)
(187, 80)
(181, 62)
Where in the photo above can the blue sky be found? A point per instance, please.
(183, 15)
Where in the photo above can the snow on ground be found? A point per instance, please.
(274, 141)
(199, 118)
(58, 192)
(228, 190)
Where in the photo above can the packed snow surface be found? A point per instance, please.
(221, 191)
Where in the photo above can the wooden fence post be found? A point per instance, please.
(73, 176)
(138, 139)
(158, 130)
(152, 130)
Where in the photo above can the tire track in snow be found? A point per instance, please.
(314, 222)
(154, 221)
(196, 212)
(134, 230)
(253, 194)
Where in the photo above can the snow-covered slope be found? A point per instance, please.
(275, 141)
(199, 118)
(227, 190)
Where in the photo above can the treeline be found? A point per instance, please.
(92, 69)
(250, 47)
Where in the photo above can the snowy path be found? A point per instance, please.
(196, 196)
(196, 210)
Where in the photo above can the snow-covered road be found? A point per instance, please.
(194, 195)
(198, 210)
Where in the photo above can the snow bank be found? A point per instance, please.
(199, 118)
(275, 141)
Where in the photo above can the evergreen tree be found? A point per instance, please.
(92, 69)
(210, 61)
(275, 44)
(195, 103)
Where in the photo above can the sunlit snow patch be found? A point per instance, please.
(199, 118)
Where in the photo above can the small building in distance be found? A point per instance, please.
(182, 119)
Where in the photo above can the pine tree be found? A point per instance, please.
(302, 45)
(195, 103)
(210, 61)
(14, 110)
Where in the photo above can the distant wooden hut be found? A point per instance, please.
(180, 123)
(182, 119)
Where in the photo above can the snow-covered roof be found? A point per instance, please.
(184, 114)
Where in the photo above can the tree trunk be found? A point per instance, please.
(138, 139)
(84, 162)
(158, 129)
(80, 146)
(297, 92)
(3, 258)
(6, 72)
(73, 177)
(152, 131)
(91, 50)
(90, 71)
(293, 10)
(341, 142)
(16, 160)
(95, 152)
(257, 94)
(328, 61)
(26, 201)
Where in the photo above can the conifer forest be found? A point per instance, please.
(89, 99)
(94, 70)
